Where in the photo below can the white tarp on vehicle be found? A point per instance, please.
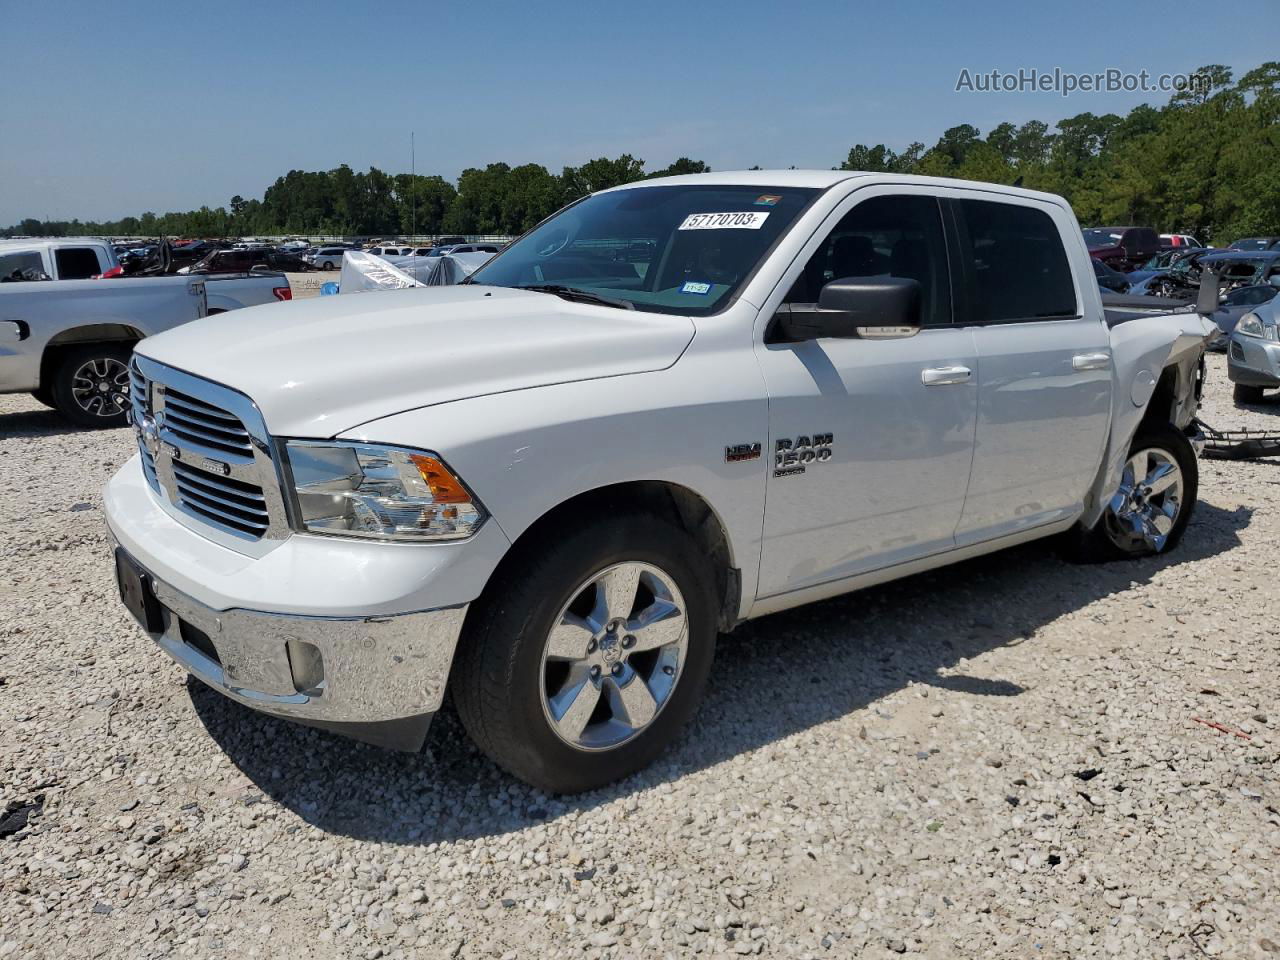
(365, 271)
(441, 271)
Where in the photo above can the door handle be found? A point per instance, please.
(942, 376)
(1091, 361)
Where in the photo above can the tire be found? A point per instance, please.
(44, 393)
(327, 266)
(509, 686)
(77, 386)
(1131, 526)
(1244, 393)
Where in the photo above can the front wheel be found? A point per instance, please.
(583, 660)
(1150, 510)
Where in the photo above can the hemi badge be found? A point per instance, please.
(742, 451)
(213, 466)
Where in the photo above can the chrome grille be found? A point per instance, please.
(206, 452)
(233, 503)
(206, 425)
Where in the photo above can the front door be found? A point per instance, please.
(871, 439)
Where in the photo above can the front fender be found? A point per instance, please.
(526, 452)
(1142, 349)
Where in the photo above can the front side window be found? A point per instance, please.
(664, 249)
(1018, 267)
(894, 236)
(77, 263)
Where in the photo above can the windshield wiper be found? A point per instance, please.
(579, 295)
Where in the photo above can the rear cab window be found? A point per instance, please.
(77, 263)
(1016, 264)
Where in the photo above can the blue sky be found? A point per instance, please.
(137, 106)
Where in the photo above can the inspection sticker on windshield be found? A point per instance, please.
(691, 287)
(724, 221)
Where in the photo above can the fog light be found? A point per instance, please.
(306, 663)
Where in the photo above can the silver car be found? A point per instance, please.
(1253, 359)
(326, 258)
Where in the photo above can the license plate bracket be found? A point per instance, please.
(137, 595)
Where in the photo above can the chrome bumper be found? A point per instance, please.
(1253, 362)
(362, 676)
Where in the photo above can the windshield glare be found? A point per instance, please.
(665, 249)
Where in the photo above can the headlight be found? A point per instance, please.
(388, 493)
(1250, 325)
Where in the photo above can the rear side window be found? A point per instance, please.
(77, 263)
(1018, 268)
(11, 263)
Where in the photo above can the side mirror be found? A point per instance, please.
(865, 307)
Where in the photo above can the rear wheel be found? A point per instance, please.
(90, 385)
(1150, 510)
(583, 661)
(1244, 393)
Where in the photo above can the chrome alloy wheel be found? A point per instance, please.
(1145, 509)
(614, 656)
(100, 387)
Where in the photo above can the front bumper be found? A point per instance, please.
(1253, 362)
(378, 679)
(354, 636)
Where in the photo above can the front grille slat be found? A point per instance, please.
(209, 436)
(219, 487)
(207, 506)
(226, 421)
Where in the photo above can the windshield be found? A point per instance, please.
(1101, 237)
(675, 249)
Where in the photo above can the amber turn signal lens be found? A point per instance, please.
(444, 486)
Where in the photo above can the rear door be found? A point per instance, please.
(1044, 366)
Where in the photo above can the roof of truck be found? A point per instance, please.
(823, 179)
(34, 241)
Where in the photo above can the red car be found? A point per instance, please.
(1122, 248)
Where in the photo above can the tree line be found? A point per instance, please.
(1207, 163)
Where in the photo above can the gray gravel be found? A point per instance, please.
(1002, 759)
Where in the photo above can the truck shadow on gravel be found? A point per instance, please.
(774, 677)
(38, 423)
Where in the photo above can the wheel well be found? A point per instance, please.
(1162, 407)
(678, 504)
(92, 333)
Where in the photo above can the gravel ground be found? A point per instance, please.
(1009, 758)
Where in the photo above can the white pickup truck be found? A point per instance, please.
(671, 407)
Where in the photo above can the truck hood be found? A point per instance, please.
(316, 368)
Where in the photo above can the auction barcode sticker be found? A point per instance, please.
(724, 221)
